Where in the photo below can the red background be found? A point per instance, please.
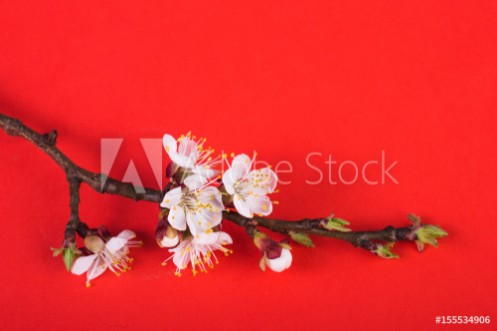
(349, 78)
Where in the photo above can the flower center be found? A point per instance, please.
(191, 203)
(243, 189)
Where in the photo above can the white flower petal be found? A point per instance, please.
(170, 144)
(97, 268)
(199, 251)
(172, 198)
(240, 166)
(195, 182)
(211, 195)
(219, 237)
(229, 181)
(205, 171)
(126, 234)
(188, 148)
(206, 238)
(242, 207)
(182, 160)
(212, 218)
(203, 221)
(195, 222)
(181, 257)
(115, 244)
(82, 264)
(177, 218)
(260, 205)
(224, 238)
(281, 263)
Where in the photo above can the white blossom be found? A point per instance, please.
(249, 188)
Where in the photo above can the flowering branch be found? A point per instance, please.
(193, 204)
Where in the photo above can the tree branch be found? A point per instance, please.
(314, 226)
(99, 182)
(104, 184)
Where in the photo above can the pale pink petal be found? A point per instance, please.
(171, 198)
(115, 244)
(97, 268)
(126, 234)
(82, 264)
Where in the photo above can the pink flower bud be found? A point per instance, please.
(276, 256)
(280, 263)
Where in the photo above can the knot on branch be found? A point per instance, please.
(50, 138)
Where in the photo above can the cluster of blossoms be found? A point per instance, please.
(199, 192)
(192, 209)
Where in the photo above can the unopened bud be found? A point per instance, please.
(282, 262)
(335, 224)
(385, 251)
(170, 239)
(166, 235)
(68, 252)
(428, 234)
(171, 169)
(94, 244)
(276, 256)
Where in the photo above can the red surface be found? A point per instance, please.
(287, 78)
